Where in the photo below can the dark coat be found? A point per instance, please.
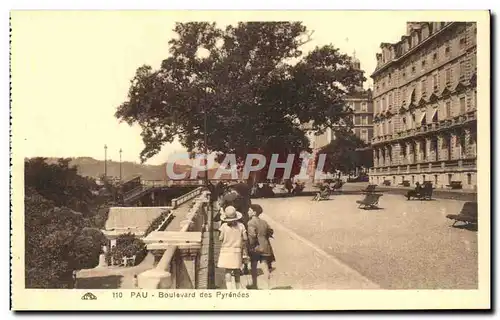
(259, 233)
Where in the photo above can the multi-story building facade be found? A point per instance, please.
(360, 102)
(425, 106)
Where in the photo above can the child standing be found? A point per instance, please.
(261, 250)
(233, 237)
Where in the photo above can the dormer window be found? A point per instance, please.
(415, 40)
(435, 57)
(462, 43)
(413, 69)
(447, 50)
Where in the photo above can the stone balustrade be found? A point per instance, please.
(186, 197)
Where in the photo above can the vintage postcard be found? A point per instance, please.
(267, 160)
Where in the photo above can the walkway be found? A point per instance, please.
(123, 277)
(404, 245)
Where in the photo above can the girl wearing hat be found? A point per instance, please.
(260, 247)
(233, 237)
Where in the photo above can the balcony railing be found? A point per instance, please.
(428, 167)
(428, 128)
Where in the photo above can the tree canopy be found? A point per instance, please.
(251, 80)
(345, 153)
(60, 223)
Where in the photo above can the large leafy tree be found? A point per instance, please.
(251, 80)
(345, 153)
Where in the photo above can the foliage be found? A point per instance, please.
(127, 245)
(56, 243)
(60, 184)
(251, 82)
(61, 208)
(156, 222)
(345, 153)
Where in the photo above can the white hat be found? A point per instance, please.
(230, 214)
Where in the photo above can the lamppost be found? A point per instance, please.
(211, 258)
(120, 164)
(105, 162)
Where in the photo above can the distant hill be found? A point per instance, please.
(91, 167)
(95, 168)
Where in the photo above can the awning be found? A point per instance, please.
(435, 115)
(423, 119)
(410, 97)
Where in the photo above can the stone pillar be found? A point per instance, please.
(428, 149)
(396, 152)
(375, 157)
(186, 265)
(468, 145)
(417, 150)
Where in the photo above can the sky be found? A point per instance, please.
(72, 69)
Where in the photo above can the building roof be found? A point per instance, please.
(132, 219)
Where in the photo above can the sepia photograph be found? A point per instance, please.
(216, 155)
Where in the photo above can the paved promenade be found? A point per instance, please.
(114, 277)
(403, 245)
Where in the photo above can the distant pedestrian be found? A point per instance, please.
(260, 249)
(233, 237)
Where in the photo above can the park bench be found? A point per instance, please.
(455, 185)
(425, 193)
(405, 183)
(337, 186)
(468, 214)
(322, 195)
(387, 182)
(370, 201)
(370, 188)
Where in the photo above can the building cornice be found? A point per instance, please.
(425, 42)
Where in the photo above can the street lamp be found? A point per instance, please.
(211, 257)
(105, 162)
(120, 164)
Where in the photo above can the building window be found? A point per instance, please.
(435, 179)
(448, 109)
(469, 178)
(449, 177)
(413, 69)
(423, 63)
(423, 88)
(364, 107)
(463, 74)
(463, 106)
(447, 77)
(404, 75)
(364, 135)
(463, 43)
(389, 79)
(390, 100)
(447, 50)
(435, 83)
(435, 57)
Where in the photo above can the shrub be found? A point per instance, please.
(127, 245)
(156, 222)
